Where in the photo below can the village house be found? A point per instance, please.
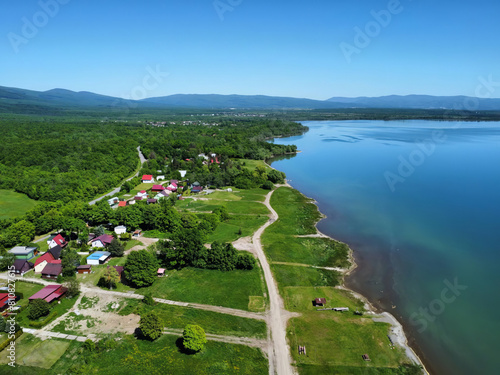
(122, 204)
(120, 229)
(143, 194)
(160, 177)
(99, 257)
(42, 261)
(172, 187)
(21, 266)
(148, 179)
(152, 201)
(55, 240)
(51, 271)
(183, 173)
(113, 201)
(24, 252)
(157, 188)
(4, 300)
(84, 269)
(55, 251)
(49, 293)
(102, 241)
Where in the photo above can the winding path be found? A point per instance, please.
(280, 361)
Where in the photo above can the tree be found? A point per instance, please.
(141, 268)
(267, 185)
(151, 325)
(110, 278)
(69, 261)
(220, 256)
(183, 249)
(7, 261)
(116, 248)
(194, 338)
(245, 261)
(21, 232)
(99, 231)
(73, 287)
(38, 308)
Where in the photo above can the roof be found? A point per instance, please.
(45, 292)
(138, 198)
(84, 267)
(320, 301)
(19, 264)
(122, 204)
(4, 299)
(147, 177)
(45, 257)
(121, 227)
(21, 250)
(118, 269)
(158, 187)
(56, 261)
(52, 269)
(55, 251)
(151, 200)
(59, 240)
(197, 188)
(98, 255)
(142, 191)
(105, 239)
(161, 270)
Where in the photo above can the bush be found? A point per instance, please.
(51, 316)
(194, 338)
(245, 261)
(4, 344)
(38, 308)
(151, 325)
(148, 300)
(268, 185)
(89, 345)
(125, 236)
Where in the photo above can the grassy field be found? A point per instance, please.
(297, 217)
(287, 275)
(215, 323)
(32, 351)
(334, 338)
(233, 206)
(13, 204)
(60, 308)
(228, 231)
(211, 287)
(132, 356)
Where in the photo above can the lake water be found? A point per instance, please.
(419, 203)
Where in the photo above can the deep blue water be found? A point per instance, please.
(419, 203)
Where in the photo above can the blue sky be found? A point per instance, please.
(284, 48)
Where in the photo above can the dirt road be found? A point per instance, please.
(280, 361)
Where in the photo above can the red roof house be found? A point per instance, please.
(45, 257)
(157, 188)
(49, 293)
(148, 178)
(4, 301)
(102, 241)
(57, 240)
(122, 204)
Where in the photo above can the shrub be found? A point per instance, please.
(194, 338)
(245, 261)
(38, 308)
(151, 325)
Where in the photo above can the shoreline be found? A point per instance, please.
(378, 314)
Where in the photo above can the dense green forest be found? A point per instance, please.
(67, 161)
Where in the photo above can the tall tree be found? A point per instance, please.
(141, 268)
(151, 325)
(194, 338)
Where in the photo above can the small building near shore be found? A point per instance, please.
(320, 302)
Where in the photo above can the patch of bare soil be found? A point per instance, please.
(244, 244)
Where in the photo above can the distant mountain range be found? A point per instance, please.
(12, 98)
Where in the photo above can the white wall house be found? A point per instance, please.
(183, 173)
(120, 229)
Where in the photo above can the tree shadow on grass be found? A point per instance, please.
(180, 346)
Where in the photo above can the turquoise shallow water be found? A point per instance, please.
(419, 203)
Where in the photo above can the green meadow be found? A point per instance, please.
(13, 204)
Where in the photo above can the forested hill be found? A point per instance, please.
(79, 160)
